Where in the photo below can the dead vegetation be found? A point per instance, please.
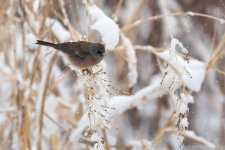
(44, 104)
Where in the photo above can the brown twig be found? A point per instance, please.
(152, 18)
(43, 99)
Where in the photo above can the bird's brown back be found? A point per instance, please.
(80, 48)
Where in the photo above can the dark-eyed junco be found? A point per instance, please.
(82, 54)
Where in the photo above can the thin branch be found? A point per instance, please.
(43, 99)
(115, 14)
(141, 21)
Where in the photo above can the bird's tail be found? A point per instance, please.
(45, 43)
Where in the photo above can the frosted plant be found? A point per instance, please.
(177, 72)
(96, 82)
(44, 107)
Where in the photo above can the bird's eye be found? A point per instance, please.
(98, 51)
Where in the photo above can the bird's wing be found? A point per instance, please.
(82, 49)
(73, 49)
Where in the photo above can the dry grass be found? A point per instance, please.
(43, 104)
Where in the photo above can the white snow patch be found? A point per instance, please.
(132, 60)
(182, 105)
(36, 6)
(192, 72)
(190, 13)
(175, 42)
(108, 29)
(30, 41)
(59, 31)
(122, 103)
(19, 46)
(184, 122)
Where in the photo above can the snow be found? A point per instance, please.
(221, 21)
(59, 31)
(183, 103)
(67, 104)
(192, 135)
(108, 29)
(31, 40)
(174, 43)
(192, 72)
(190, 13)
(81, 125)
(36, 5)
(19, 45)
(122, 103)
(131, 59)
(184, 123)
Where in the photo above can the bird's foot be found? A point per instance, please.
(86, 72)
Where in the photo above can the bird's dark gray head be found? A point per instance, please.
(97, 50)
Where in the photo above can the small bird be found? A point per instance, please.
(82, 54)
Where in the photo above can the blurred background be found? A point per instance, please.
(30, 74)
